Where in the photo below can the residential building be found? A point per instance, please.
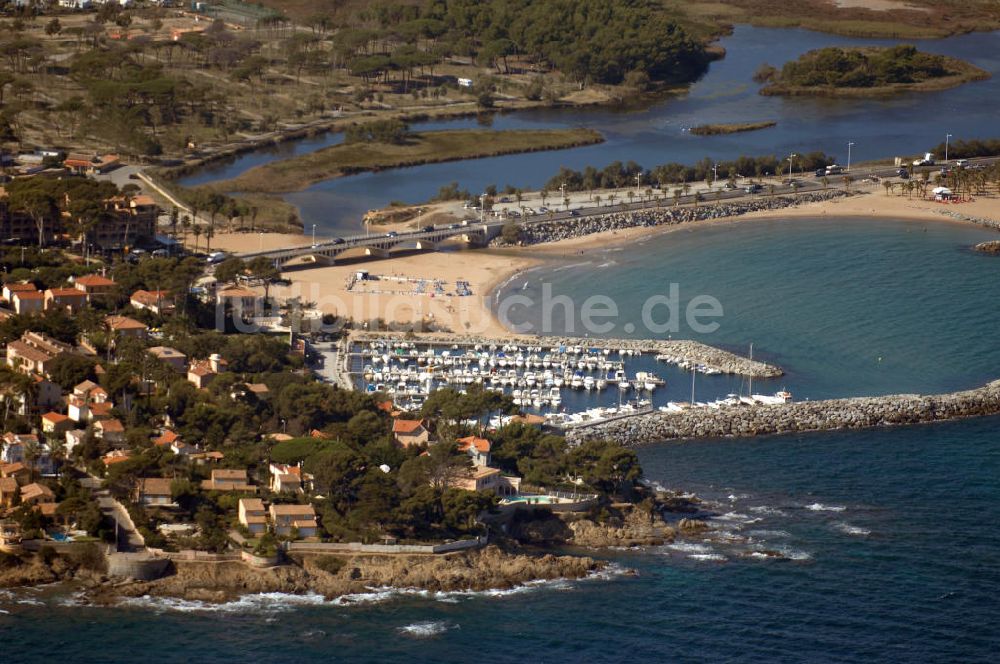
(484, 478)
(56, 423)
(242, 302)
(110, 430)
(301, 518)
(123, 326)
(9, 490)
(27, 302)
(286, 477)
(157, 301)
(27, 359)
(225, 479)
(154, 492)
(74, 437)
(201, 372)
(171, 356)
(94, 285)
(18, 471)
(116, 456)
(477, 448)
(66, 299)
(35, 493)
(407, 433)
(168, 437)
(253, 515)
(17, 287)
(81, 164)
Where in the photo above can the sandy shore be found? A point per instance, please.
(487, 269)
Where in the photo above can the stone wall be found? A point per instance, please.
(852, 413)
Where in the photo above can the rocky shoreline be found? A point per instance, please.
(991, 247)
(979, 221)
(537, 233)
(743, 421)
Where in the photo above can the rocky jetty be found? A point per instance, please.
(624, 525)
(538, 232)
(991, 247)
(851, 413)
(692, 351)
(980, 221)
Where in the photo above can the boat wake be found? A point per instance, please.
(819, 507)
(848, 529)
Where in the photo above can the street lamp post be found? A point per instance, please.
(849, 146)
(638, 182)
(947, 137)
(562, 195)
(314, 235)
(791, 158)
(715, 172)
(482, 208)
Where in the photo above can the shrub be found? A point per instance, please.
(330, 564)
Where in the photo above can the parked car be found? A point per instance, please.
(574, 213)
(821, 172)
(338, 240)
(961, 163)
(752, 188)
(903, 174)
(216, 257)
(392, 234)
(428, 229)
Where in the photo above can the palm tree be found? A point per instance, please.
(631, 196)
(196, 231)
(677, 197)
(826, 182)
(698, 198)
(209, 234)
(611, 198)
(687, 188)
(597, 200)
(544, 194)
(649, 193)
(888, 186)
(847, 182)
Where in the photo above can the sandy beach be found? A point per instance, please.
(393, 298)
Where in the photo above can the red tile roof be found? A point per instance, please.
(480, 444)
(406, 426)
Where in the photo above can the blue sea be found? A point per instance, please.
(886, 540)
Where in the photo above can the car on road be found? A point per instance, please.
(428, 229)
(961, 163)
(903, 174)
(752, 188)
(574, 213)
(338, 240)
(216, 257)
(454, 226)
(730, 185)
(392, 234)
(820, 172)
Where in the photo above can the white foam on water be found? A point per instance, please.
(769, 533)
(689, 547)
(764, 509)
(31, 602)
(820, 507)
(423, 630)
(256, 603)
(709, 557)
(735, 517)
(848, 529)
(5, 612)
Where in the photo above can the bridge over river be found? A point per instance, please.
(383, 244)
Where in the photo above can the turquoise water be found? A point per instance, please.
(845, 306)
(888, 540)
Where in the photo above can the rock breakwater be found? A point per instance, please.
(538, 232)
(992, 247)
(980, 221)
(850, 413)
